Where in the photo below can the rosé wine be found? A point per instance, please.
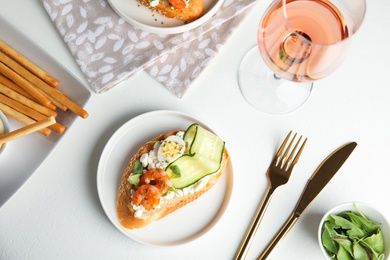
(305, 41)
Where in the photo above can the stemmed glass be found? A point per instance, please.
(299, 41)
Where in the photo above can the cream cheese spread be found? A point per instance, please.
(154, 3)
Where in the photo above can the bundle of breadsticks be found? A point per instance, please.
(30, 94)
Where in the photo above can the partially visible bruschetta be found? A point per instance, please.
(186, 10)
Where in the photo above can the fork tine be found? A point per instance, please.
(290, 163)
(277, 159)
(287, 162)
(299, 153)
(288, 148)
(294, 149)
(281, 148)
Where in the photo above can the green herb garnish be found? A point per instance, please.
(137, 169)
(170, 189)
(176, 171)
(135, 177)
(351, 235)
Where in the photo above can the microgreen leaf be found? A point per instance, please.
(135, 178)
(176, 171)
(343, 254)
(346, 243)
(351, 229)
(137, 169)
(375, 242)
(170, 189)
(363, 222)
(328, 233)
(359, 253)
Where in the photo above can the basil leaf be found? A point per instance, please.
(137, 169)
(176, 171)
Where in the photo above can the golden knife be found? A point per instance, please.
(322, 175)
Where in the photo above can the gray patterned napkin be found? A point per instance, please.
(109, 50)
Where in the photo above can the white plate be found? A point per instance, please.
(143, 18)
(185, 224)
(24, 155)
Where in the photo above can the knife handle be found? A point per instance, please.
(250, 234)
(279, 236)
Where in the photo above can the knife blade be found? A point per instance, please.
(319, 179)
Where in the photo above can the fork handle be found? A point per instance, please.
(279, 236)
(248, 238)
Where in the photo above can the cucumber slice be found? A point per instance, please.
(190, 133)
(206, 144)
(204, 158)
(192, 168)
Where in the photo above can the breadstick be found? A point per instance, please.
(63, 99)
(28, 129)
(5, 81)
(21, 118)
(29, 112)
(26, 74)
(28, 64)
(8, 83)
(54, 102)
(16, 78)
(25, 101)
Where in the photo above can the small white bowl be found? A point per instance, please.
(370, 211)
(5, 124)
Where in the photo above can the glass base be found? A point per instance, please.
(265, 91)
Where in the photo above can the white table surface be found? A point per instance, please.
(57, 213)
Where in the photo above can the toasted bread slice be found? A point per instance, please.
(194, 10)
(124, 208)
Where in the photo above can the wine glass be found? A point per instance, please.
(299, 41)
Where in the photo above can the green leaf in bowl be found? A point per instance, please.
(343, 254)
(351, 229)
(359, 252)
(363, 222)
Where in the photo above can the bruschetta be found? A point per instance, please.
(169, 172)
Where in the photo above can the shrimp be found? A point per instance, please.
(178, 4)
(148, 196)
(158, 178)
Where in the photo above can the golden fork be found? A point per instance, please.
(278, 174)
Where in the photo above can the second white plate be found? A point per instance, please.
(143, 18)
(187, 223)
